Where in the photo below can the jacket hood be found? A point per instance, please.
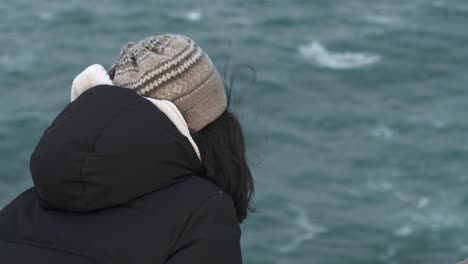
(106, 148)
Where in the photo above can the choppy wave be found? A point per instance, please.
(308, 230)
(424, 217)
(436, 220)
(321, 56)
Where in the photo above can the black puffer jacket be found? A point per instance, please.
(115, 182)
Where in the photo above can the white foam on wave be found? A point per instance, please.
(437, 221)
(380, 186)
(404, 231)
(46, 16)
(428, 215)
(422, 202)
(386, 20)
(428, 120)
(308, 230)
(321, 56)
(438, 123)
(382, 131)
(193, 15)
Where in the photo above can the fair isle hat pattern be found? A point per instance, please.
(174, 68)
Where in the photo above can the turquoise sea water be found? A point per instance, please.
(357, 124)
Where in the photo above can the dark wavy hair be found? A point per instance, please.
(223, 153)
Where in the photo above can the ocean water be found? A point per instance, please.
(356, 113)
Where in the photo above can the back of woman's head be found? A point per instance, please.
(175, 68)
(222, 148)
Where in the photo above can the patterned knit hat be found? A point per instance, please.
(174, 68)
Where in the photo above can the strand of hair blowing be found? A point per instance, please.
(222, 149)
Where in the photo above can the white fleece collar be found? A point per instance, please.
(96, 75)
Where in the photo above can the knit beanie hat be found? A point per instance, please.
(174, 68)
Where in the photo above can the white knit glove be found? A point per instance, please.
(92, 76)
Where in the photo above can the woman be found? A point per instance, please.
(145, 165)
